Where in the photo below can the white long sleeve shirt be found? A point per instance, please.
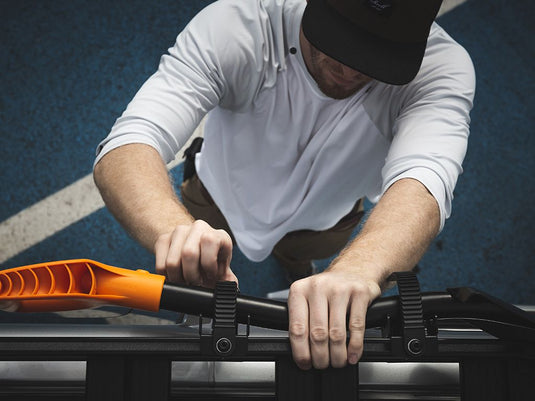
(278, 154)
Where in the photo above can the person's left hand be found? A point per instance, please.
(322, 308)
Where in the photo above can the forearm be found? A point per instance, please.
(324, 307)
(396, 234)
(135, 186)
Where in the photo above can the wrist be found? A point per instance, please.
(371, 271)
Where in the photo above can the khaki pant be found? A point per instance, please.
(297, 248)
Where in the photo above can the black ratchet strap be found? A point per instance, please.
(412, 317)
(224, 326)
(224, 340)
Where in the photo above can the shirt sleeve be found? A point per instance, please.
(430, 135)
(209, 65)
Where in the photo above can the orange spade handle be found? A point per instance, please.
(77, 284)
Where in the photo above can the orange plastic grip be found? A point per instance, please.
(77, 284)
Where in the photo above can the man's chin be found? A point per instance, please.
(337, 92)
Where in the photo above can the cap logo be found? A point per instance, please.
(383, 7)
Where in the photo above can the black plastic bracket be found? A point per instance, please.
(224, 340)
(414, 337)
(224, 326)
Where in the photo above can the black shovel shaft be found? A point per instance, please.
(274, 314)
(200, 301)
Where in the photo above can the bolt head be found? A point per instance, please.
(415, 346)
(223, 345)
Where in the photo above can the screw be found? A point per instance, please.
(415, 346)
(223, 345)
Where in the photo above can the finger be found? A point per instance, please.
(161, 248)
(173, 262)
(298, 327)
(230, 276)
(337, 329)
(357, 324)
(210, 243)
(191, 254)
(216, 252)
(224, 257)
(319, 329)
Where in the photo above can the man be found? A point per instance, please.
(311, 107)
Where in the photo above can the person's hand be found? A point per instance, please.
(195, 254)
(322, 308)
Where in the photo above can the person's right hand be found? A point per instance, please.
(195, 254)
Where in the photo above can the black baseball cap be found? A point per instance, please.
(384, 39)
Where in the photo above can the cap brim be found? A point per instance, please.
(384, 60)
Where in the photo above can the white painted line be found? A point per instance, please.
(74, 202)
(56, 212)
(448, 5)
(48, 216)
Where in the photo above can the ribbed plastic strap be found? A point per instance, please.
(224, 326)
(411, 299)
(411, 312)
(225, 304)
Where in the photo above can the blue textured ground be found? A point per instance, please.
(68, 69)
